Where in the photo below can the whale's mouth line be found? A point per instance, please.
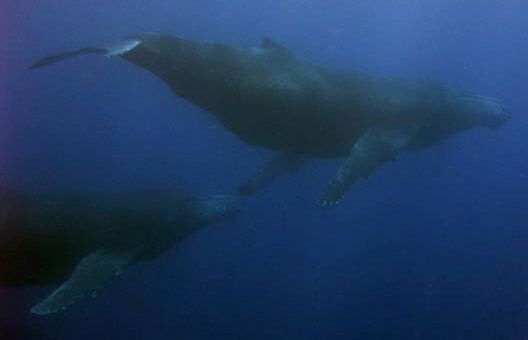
(482, 110)
(215, 197)
(479, 97)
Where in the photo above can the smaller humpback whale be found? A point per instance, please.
(86, 240)
(270, 98)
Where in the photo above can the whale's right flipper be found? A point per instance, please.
(110, 50)
(281, 164)
(92, 273)
(377, 146)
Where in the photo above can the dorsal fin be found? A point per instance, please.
(272, 46)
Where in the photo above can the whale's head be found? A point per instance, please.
(476, 110)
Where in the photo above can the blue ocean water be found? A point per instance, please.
(432, 246)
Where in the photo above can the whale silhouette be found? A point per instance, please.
(86, 240)
(270, 98)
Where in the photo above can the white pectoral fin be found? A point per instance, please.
(377, 146)
(91, 274)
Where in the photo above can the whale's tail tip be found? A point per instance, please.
(116, 48)
(57, 57)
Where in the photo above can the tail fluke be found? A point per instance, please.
(65, 55)
(109, 50)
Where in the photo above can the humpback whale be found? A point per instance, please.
(86, 240)
(271, 98)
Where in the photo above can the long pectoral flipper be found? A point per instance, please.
(279, 165)
(92, 273)
(377, 146)
(110, 50)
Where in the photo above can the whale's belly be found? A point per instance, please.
(313, 118)
(312, 133)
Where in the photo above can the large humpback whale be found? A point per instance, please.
(270, 98)
(89, 239)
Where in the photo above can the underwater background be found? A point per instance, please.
(433, 246)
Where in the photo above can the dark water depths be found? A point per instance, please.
(433, 246)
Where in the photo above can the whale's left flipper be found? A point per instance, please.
(377, 146)
(92, 273)
(110, 50)
(281, 164)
